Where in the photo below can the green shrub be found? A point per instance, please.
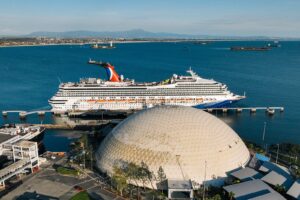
(67, 171)
(81, 196)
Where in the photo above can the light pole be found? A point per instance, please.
(91, 152)
(204, 181)
(264, 133)
(83, 158)
(277, 153)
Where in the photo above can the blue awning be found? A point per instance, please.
(261, 157)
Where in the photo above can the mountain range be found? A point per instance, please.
(133, 34)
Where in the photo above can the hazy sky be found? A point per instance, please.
(213, 17)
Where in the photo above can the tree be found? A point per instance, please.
(120, 183)
(231, 195)
(142, 174)
(145, 174)
(150, 176)
(119, 179)
(280, 188)
(131, 171)
(216, 197)
(161, 176)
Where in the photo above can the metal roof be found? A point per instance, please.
(5, 137)
(269, 196)
(180, 184)
(269, 166)
(278, 175)
(277, 178)
(246, 174)
(254, 189)
(25, 143)
(294, 191)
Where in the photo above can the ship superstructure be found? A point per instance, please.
(119, 94)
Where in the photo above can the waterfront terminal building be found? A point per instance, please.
(188, 143)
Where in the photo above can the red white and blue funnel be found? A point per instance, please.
(110, 70)
(111, 73)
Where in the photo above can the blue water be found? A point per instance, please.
(30, 76)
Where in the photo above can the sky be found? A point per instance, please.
(199, 17)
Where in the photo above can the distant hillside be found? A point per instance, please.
(130, 34)
(136, 33)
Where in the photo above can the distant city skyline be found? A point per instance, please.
(198, 17)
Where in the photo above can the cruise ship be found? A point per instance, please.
(120, 94)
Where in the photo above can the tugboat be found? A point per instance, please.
(275, 44)
(203, 42)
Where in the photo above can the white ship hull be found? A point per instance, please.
(89, 104)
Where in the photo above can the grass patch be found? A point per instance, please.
(81, 196)
(67, 171)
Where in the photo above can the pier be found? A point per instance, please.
(23, 114)
(56, 126)
(269, 110)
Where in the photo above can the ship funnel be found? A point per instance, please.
(110, 70)
(111, 73)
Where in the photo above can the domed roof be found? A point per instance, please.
(187, 142)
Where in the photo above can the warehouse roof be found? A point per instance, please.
(254, 189)
(246, 174)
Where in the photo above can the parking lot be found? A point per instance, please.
(48, 184)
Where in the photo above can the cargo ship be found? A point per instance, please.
(239, 48)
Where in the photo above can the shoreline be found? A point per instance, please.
(137, 41)
(90, 43)
(86, 43)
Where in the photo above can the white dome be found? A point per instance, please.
(180, 139)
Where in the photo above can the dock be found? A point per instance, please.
(71, 126)
(23, 114)
(270, 110)
(56, 126)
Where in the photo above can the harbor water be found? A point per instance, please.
(30, 76)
